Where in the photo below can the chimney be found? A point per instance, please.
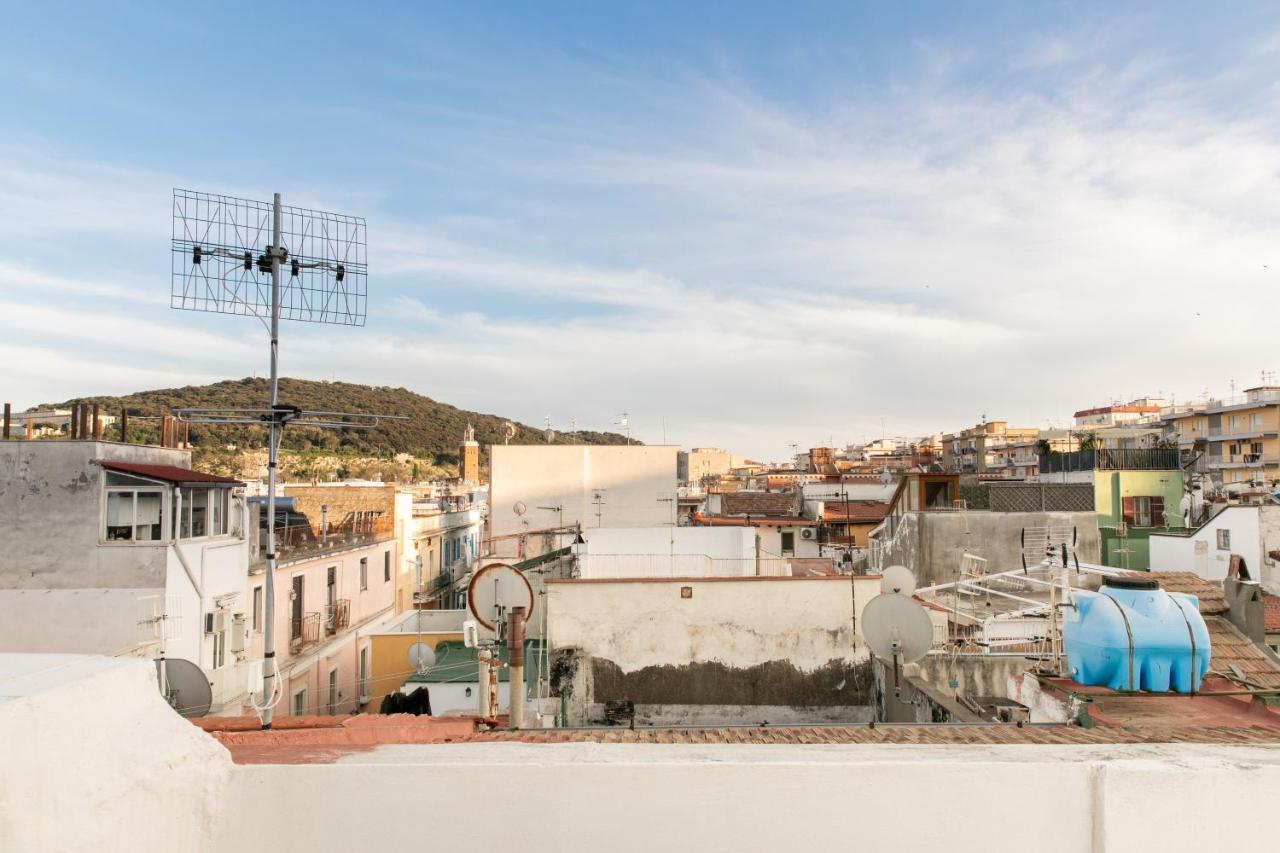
(74, 431)
(97, 423)
(515, 660)
(8, 413)
(84, 421)
(124, 425)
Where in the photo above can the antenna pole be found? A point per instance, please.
(268, 633)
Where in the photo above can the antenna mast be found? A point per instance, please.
(221, 247)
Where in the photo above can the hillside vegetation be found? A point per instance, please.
(432, 431)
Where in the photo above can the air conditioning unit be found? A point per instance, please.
(808, 533)
(239, 634)
(217, 621)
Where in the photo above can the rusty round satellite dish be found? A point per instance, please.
(496, 589)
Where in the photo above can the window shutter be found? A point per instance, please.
(1157, 512)
(1126, 509)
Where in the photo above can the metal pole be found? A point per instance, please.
(483, 658)
(268, 633)
(515, 662)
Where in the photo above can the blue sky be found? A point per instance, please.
(757, 224)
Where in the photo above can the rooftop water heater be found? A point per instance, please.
(1133, 635)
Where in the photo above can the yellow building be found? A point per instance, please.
(390, 660)
(1242, 434)
(976, 449)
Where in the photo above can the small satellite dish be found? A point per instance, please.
(494, 590)
(898, 579)
(508, 431)
(549, 435)
(184, 686)
(897, 628)
(519, 508)
(421, 656)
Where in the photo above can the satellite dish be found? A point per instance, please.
(184, 686)
(494, 590)
(519, 508)
(508, 431)
(897, 628)
(421, 656)
(898, 579)
(549, 435)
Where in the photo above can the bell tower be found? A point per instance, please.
(469, 457)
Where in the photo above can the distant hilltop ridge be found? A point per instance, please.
(433, 429)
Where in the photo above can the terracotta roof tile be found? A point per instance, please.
(1272, 612)
(758, 503)
(859, 510)
(1213, 600)
(1232, 648)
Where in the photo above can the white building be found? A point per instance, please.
(673, 552)
(1251, 532)
(122, 549)
(544, 487)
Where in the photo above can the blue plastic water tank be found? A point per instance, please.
(1132, 635)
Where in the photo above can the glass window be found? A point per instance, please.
(199, 512)
(1224, 540)
(300, 702)
(217, 501)
(119, 516)
(133, 515)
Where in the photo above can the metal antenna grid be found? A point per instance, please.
(223, 251)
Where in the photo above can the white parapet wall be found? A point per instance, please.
(93, 760)
(647, 552)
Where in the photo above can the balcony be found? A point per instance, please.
(1132, 459)
(304, 632)
(1238, 460)
(299, 541)
(337, 616)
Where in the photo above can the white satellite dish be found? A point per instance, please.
(494, 590)
(898, 579)
(184, 686)
(897, 628)
(519, 508)
(421, 656)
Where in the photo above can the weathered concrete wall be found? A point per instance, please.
(1269, 529)
(718, 715)
(732, 642)
(931, 544)
(51, 514)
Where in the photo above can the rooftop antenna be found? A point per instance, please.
(624, 421)
(227, 257)
(597, 498)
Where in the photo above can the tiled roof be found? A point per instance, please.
(323, 740)
(167, 473)
(859, 510)
(758, 503)
(1230, 648)
(1213, 600)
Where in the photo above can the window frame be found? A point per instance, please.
(135, 490)
(386, 566)
(364, 573)
(1223, 539)
(217, 509)
(298, 703)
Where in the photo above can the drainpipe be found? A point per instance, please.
(515, 660)
(483, 659)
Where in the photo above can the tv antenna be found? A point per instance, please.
(227, 258)
(597, 498)
(624, 421)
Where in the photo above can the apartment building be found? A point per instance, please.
(335, 586)
(1241, 435)
(119, 549)
(975, 450)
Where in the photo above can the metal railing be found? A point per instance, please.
(301, 540)
(1120, 459)
(304, 632)
(337, 616)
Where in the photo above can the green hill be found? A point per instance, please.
(433, 429)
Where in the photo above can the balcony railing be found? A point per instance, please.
(1125, 459)
(302, 540)
(304, 632)
(337, 616)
